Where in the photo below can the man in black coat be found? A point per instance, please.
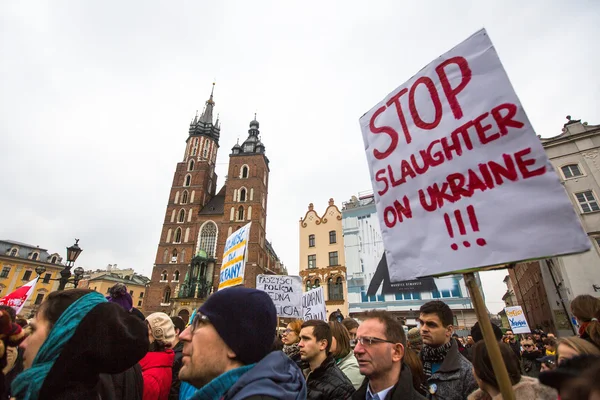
(178, 349)
(380, 344)
(324, 380)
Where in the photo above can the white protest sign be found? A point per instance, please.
(285, 291)
(516, 319)
(313, 305)
(234, 258)
(460, 178)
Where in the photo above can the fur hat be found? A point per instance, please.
(119, 294)
(162, 328)
(245, 319)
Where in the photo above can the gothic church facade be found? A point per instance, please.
(198, 219)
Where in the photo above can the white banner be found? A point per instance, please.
(313, 304)
(234, 258)
(460, 178)
(285, 291)
(517, 320)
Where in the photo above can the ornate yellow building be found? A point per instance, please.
(18, 262)
(136, 285)
(322, 260)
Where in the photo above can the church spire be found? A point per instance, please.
(206, 116)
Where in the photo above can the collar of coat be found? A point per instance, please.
(402, 389)
(452, 361)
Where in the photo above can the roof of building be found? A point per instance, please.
(216, 205)
(270, 249)
(139, 280)
(25, 251)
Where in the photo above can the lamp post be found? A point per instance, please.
(72, 253)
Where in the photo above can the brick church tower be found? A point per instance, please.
(198, 221)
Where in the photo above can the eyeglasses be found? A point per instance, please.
(288, 330)
(199, 319)
(527, 345)
(368, 340)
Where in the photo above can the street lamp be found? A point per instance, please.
(72, 253)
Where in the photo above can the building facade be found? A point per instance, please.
(198, 219)
(575, 156)
(18, 261)
(136, 285)
(364, 249)
(322, 259)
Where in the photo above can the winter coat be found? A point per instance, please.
(527, 389)
(157, 369)
(275, 377)
(516, 348)
(530, 365)
(403, 390)
(328, 382)
(454, 380)
(108, 340)
(127, 385)
(349, 366)
(177, 362)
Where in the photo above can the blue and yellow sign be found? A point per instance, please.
(234, 258)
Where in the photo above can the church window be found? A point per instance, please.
(244, 173)
(205, 153)
(194, 151)
(188, 180)
(192, 199)
(249, 213)
(181, 216)
(166, 256)
(176, 276)
(176, 197)
(265, 178)
(177, 236)
(184, 197)
(243, 194)
(208, 238)
(191, 165)
(240, 213)
(232, 214)
(167, 297)
(187, 235)
(169, 232)
(182, 256)
(163, 276)
(251, 194)
(235, 192)
(190, 213)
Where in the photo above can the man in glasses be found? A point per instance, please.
(380, 344)
(323, 377)
(227, 350)
(449, 375)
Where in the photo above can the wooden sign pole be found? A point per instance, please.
(488, 336)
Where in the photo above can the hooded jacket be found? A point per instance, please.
(328, 382)
(454, 380)
(107, 340)
(403, 390)
(349, 366)
(526, 389)
(276, 376)
(157, 367)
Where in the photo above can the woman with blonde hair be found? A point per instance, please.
(574, 346)
(343, 355)
(586, 310)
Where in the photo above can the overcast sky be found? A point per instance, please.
(97, 98)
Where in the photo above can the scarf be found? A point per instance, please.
(292, 350)
(27, 385)
(216, 388)
(433, 355)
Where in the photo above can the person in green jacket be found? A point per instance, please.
(343, 354)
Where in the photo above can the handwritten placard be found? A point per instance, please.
(516, 319)
(285, 291)
(313, 304)
(234, 258)
(460, 178)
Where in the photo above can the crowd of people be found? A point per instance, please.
(82, 345)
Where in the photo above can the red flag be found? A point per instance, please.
(17, 299)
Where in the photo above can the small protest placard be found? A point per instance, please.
(234, 258)
(517, 320)
(285, 291)
(460, 178)
(313, 305)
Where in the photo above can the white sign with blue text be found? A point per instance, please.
(517, 320)
(234, 258)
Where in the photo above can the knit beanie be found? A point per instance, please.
(162, 328)
(245, 319)
(118, 294)
(414, 337)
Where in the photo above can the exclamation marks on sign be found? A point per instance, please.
(461, 227)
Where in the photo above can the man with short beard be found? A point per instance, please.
(449, 374)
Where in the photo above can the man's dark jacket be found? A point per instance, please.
(403, 390)
(328, 382)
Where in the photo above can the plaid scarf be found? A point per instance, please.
(433, 355)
